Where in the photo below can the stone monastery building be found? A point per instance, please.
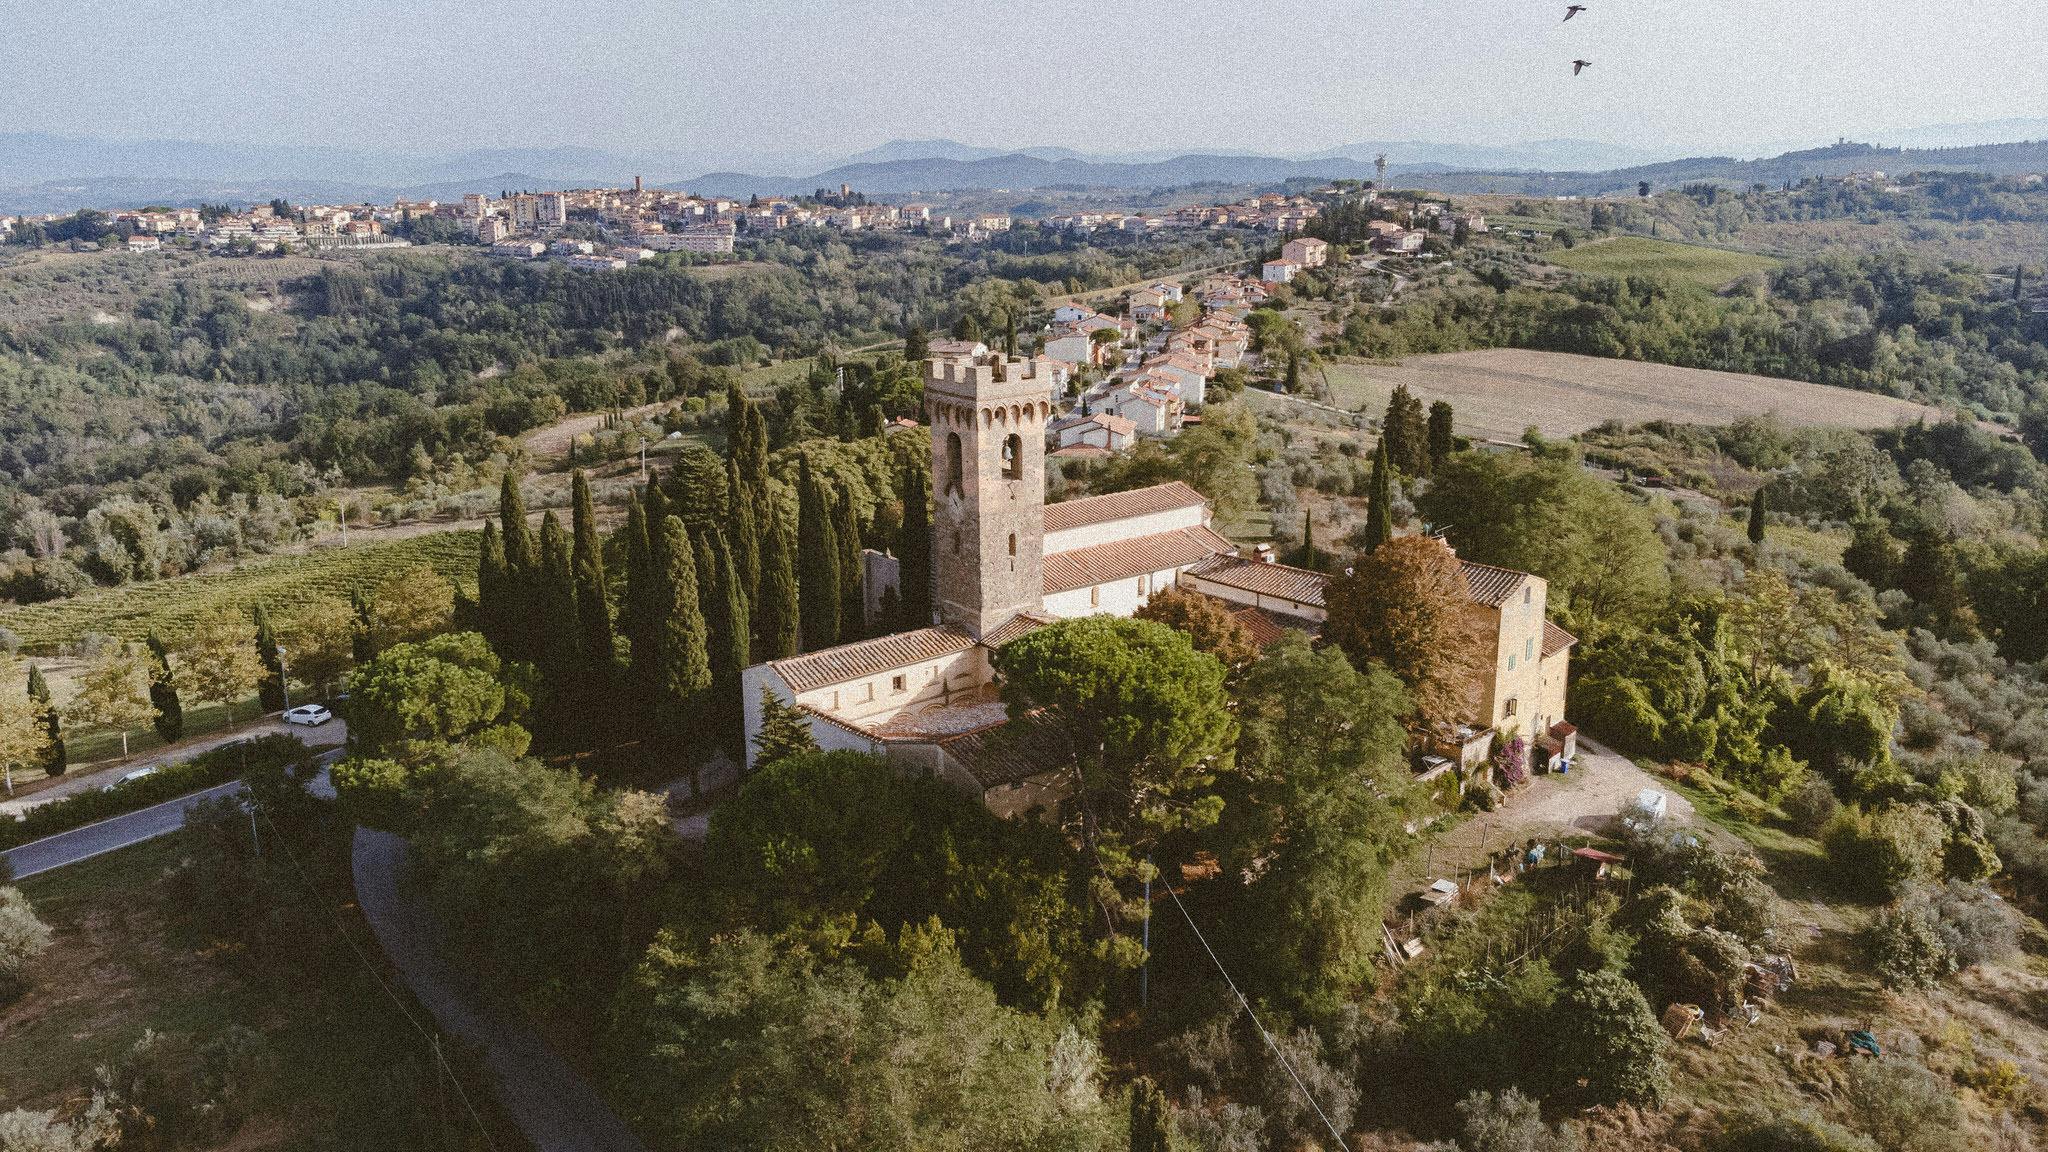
(1006, 563)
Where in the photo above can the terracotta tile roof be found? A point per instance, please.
(1029, 745)
(1277, 580)
(1124, 559)
(1555, 639)
(1120, 505)
(1268, 628)
(869, 657)
(1491, 586)
(1018, 626)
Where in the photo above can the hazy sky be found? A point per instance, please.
(719, 78)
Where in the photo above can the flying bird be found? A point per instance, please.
(1574, 10)
(1579, 66)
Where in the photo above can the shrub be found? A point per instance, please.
(23, 938)
(1801, 1131)
(1509, 1122)
(1886, 853)
(1811, 805)
(1906, 946)
(170, 1091)
(24, 1131)
(1606, 1028)
(1904, 1107)
(215, 766)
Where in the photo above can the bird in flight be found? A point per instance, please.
(1579, 66)
(1574, 10)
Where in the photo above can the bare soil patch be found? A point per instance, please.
(1500, 392)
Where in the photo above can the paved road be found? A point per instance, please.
(131, 828)
(555, 1108)
(86, 778)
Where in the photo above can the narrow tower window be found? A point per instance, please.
(1013, 457)
(953, 468)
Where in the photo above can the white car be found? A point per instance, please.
(308, 714)
(131, 777)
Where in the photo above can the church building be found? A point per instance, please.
(1006, 563)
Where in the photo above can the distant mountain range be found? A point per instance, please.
(45, 173)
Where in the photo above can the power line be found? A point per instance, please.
(1277, 1054)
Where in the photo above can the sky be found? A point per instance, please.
(724, 80)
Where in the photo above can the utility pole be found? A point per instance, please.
(1145, 970)
(284, 678)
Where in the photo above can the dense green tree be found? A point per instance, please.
(916, 345)
(593, 607)
(846, 534)
(1379, 515)
(1443, 436)
(1932, 575)
(163, 692)
(682, 670)
(1606, 1031)
(1314, 815)
(492, 586)
(784, 732)
(1598, 549)
(750, 1042)
(1872, 555)
(1207, 622)
(818, 581)
(559, 658)
(743, 533)
(1151, 1128)
(1149, 723)
(270, 690)
(415, 702)
(914, 548)
(728, 636)
(217, 659)
(53, 760)
(521, 618)
(697, 489)
(1405, 432)
(777, 616)
(1759, 515)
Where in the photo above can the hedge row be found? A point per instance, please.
(214, 766)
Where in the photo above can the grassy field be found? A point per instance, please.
(1499, 392)
(1639, 255)
(281, 583)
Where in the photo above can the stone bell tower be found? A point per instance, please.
(988, 421)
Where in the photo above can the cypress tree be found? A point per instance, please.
(1931, 575)
(744, 534)
(682, 669)
(522, 573)
(1443, 436)
(873, 425)
(785, 732)
(1308, 539)
(1405, 432)
(593, 610)
(642, 621)
(818, 582)
(163, 692)
(846, 533)
(697, 490)
(490, 585)
(777, 614)
(914, 548)
(270, 691)
(726, 618)
(916, 345)
(1872, 555)
(54, 760)
(1379, 523)
(556, 626)
(1759, 508)
(657, 510)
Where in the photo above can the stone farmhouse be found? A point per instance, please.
(1006, 563)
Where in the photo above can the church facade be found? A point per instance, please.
(1006, 563)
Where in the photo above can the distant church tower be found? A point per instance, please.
(988, 487)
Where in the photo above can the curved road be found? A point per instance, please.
(109, 834)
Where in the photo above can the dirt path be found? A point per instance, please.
(1583, 802)
(552, 442)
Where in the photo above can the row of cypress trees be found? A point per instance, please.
(714, 581)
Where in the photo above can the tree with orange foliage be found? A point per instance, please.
(1214, 628)
(1406, 607)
